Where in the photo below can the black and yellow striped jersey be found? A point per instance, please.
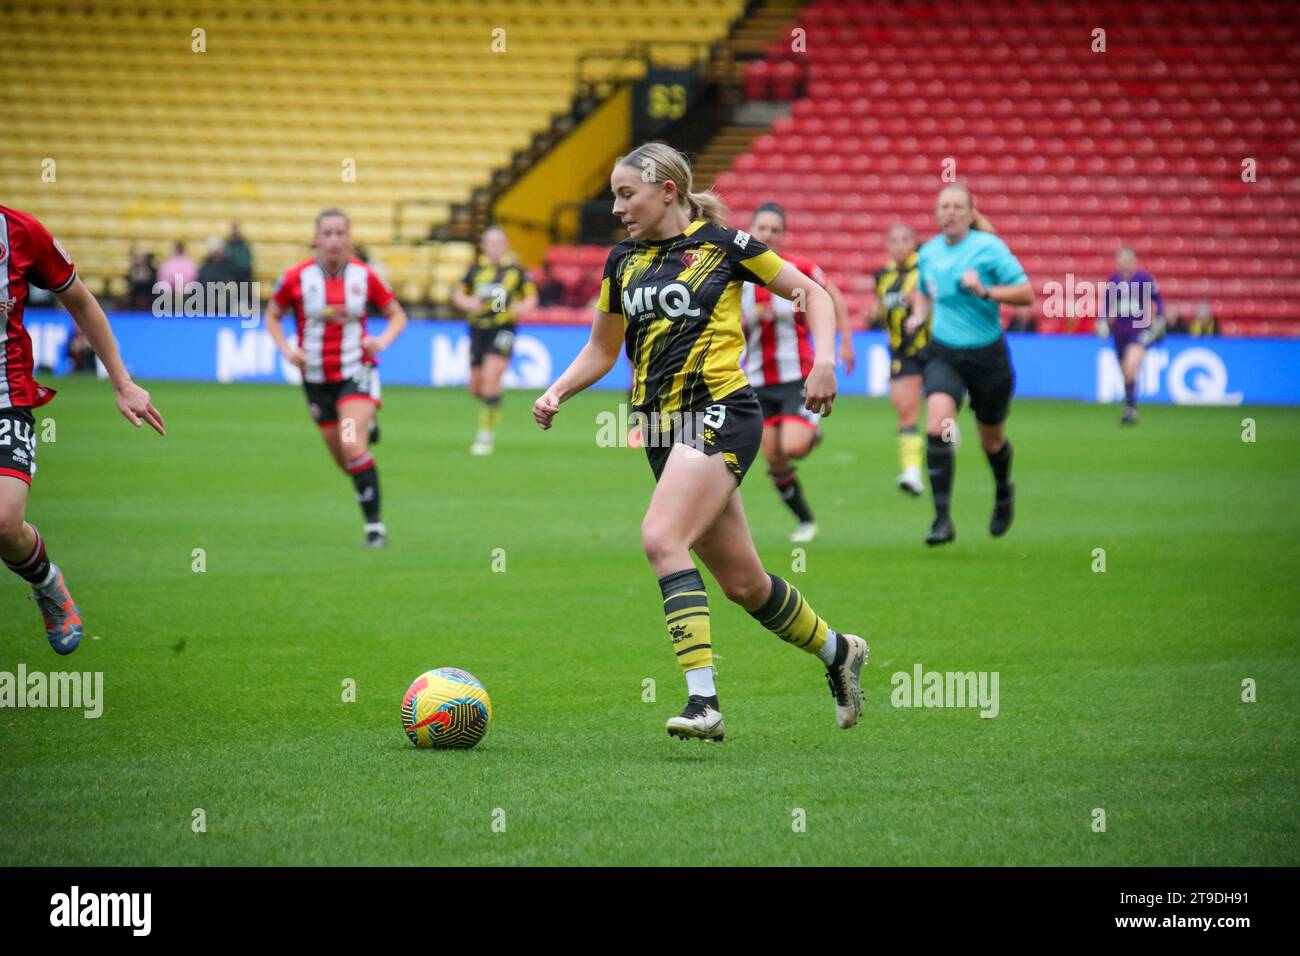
(499, 285)
(894, 285)
(680, 303)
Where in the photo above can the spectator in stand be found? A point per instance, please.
(238, 255)
(140, 278)
(1174, 324)
(550, 290)
(1022, 320)
(1205, 323)
(178, 268)
(216, 267)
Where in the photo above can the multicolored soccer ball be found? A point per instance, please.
(446, 708)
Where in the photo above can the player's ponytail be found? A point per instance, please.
(707, 205)
(660, 163)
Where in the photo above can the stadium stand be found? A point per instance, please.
(1070, 152)
(258, 126)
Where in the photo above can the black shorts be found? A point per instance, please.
(901, 366)
(785, 402)
(324, 398)
(732, 426)
(498, 340)
(18, 443)
(985, 372)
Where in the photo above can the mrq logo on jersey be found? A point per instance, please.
(671, 301)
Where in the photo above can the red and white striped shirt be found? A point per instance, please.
(331, 314)
(778, 342)
(28, 254)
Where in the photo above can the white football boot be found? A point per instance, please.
(700, 719)
(843, 677)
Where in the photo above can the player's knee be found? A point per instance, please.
(11, 523)
(659, 543)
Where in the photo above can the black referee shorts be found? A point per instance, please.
(985, 372)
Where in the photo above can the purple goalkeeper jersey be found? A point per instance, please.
(1130, 304)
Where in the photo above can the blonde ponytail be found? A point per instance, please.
(660, 163)
(980, 221)
(707, 205)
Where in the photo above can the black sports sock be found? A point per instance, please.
(34, 568)
(791, 492)
(941, 465)
(1000, 462)
(366, 478)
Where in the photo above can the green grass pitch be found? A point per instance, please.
(223, 689)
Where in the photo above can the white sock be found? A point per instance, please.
(376, 526)
(827, 653)
(699, 682)
(51, 576)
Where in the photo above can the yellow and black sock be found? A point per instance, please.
(910, 448)
(686, 610)
(489, 415)
(787, 615)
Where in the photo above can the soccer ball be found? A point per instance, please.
(446, 708)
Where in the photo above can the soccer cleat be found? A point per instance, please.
(1130, 416)
(700, 719)
(806, 531)
(376, 536)
(1004, 507)
(844, 678)
(941, 532)
(62, 619)
(482, 443)
(910, 481)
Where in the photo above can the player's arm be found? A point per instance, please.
(591, 365)
(292, 354)
(790, 283)
(847, 355)
(1019, 293)
(132, 400)
(528, 302)
(397, 321)
(462, 298)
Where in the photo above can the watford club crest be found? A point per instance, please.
(690, 257)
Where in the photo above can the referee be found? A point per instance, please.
(966, 273)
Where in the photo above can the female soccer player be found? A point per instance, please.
(29, 254)
(966, 271)
(1135, 310)
(488, 293)
(328, 296)
(778, 357)
(908, 334)
(671, 290)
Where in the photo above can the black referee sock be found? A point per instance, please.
(941, 464)
(1000, 462)
(366, 478)
(791, 492)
